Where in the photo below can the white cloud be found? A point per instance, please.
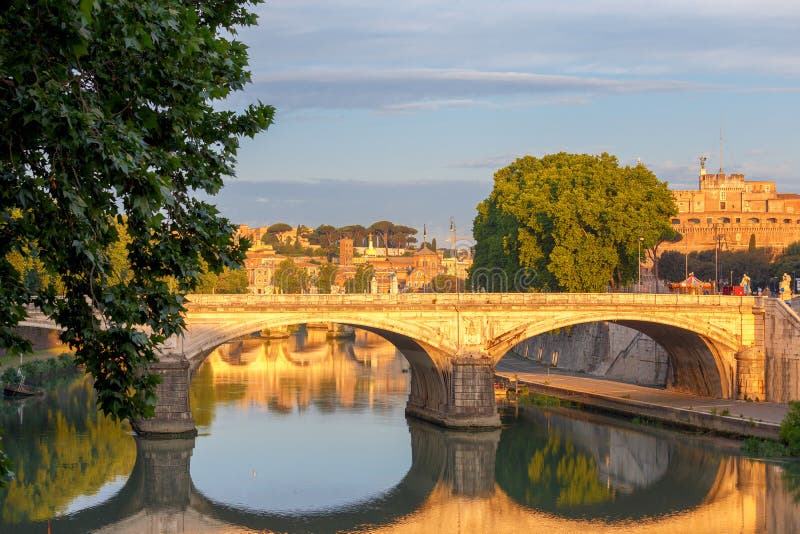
(418, 89)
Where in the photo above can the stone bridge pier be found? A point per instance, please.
(173, 415)
(459, 396)
(454, 389)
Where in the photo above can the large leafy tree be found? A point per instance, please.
(567, 222)
(289, 278)
(360, 283)
(111, 112)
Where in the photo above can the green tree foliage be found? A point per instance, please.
(446, 283)
(326, 236)
(278, 228)
(271, 236)
(360, 282)
(229, 281)
(383, 231)
(790, 429)
(289, 278)
(356, 232)
(560, 473)
(85, 451)
(325, 277)
(756, 264)
(788, 262)
(404, 236)
(573, 221)
(109, 113)
(670, 235)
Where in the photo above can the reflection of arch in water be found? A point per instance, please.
(160, 490)
(432, 378)
(370, 349)
(308, 345)
(451, 482)
(268, 375)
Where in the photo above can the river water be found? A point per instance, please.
(308, 434)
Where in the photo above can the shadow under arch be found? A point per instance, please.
(701, 357)
(160, 488)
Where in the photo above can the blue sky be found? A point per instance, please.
(380, 102)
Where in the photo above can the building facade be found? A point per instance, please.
(730, 212)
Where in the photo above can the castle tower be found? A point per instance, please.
(345, 251)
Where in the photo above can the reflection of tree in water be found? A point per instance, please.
(559, 474)
(575, 464)
(791, 479)
(82, 452)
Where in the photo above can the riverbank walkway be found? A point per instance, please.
(735, 417)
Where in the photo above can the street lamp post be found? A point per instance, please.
(455, 253)
(639, 261)
(716, 259)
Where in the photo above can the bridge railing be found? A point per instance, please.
(470, 299)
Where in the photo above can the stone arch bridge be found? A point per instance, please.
(720, 346)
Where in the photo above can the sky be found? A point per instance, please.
(404, 110)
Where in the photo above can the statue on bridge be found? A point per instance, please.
(745, 283)
(786, 287)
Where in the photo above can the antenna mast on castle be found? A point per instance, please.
(720, 143)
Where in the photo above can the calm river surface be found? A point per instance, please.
(308, 434)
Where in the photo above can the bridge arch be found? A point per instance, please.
(702, 355)
(405, 335)
(426, 349)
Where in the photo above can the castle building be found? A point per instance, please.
(729, 211)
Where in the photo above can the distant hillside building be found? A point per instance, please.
(727, 209)
(261, 263)
(427, 264)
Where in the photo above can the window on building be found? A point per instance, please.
(708, 220)
(738, 220)
(766, 189)
(722, 206)
(723, 195)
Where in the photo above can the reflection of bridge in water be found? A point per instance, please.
(459, 479)
(296, 372)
